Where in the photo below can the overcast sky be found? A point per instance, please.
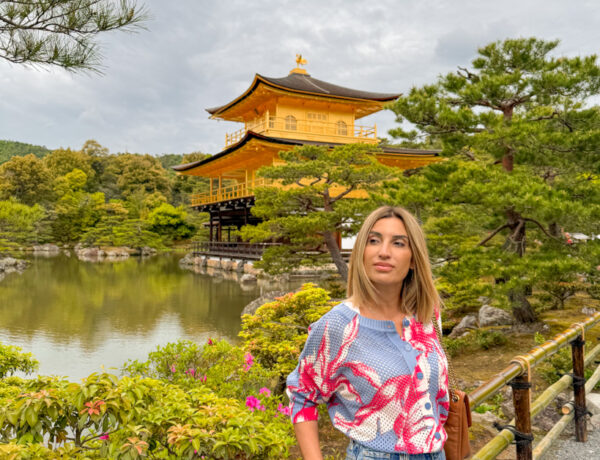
(200, 53)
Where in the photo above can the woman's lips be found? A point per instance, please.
(383, 267)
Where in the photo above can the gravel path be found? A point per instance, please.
(569, 449)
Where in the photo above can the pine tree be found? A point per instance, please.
(523, 139)
(310, 202)
(62, 32)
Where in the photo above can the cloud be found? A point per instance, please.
(198, 53)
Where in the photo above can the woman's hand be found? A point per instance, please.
(307, 434)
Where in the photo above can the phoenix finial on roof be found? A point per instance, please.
(300, 60)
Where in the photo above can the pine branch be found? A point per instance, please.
(528, 219)
(494, 233)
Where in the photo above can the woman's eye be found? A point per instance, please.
(399, 244)
(373, 241)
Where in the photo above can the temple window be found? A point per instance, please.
(290, 123)
(342, 128)
(316, 116)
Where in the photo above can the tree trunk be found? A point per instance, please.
(336, 254)
(521, 308)
(516, 242)
(508, 161)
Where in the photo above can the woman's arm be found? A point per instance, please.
(307, 434)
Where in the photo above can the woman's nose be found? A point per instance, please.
(384, 250)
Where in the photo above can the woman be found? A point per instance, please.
(375, 359)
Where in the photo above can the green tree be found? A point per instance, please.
(63, 161)
(25, 178)
(62, 32)
(524, 144)
(170, 222)
(9, 149)
(75, 210)
(133, 172)
(116, 228)
(21, 224)
(313, 204)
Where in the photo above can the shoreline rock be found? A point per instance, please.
(101, 253)
(206, 264)
(12, 265)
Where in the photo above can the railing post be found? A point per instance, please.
(521, 390)
(579, 389)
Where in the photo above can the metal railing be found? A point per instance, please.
(242, 190)
(334, 131)
(517, 375)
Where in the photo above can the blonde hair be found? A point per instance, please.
(418, 294)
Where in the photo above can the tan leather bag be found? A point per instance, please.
(457, 426)
(459, 414)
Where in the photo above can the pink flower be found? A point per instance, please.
(203, 378)
(249, 361)
(253, 403)
(265, 391)
(190, 371)
(104, 437)
(210, 341)
(173, 368)
(284, 409)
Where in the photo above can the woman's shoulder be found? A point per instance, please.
(335, 319)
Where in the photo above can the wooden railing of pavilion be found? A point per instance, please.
(518, 376)
(240, 250)
(306, 129)
(242, 190)
(233, 249)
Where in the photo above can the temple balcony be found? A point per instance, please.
(246, 189)
(315, 130)
(231, 192)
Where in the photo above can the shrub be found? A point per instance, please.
(107, 417)
(276, 333)
(217, 365)
(490, 339)
(13, 360)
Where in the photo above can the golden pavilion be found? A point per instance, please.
(279, 114)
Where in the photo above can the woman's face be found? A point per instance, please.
(387, 257)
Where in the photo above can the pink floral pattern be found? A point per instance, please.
(408, 408)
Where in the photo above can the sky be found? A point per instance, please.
(199, 53)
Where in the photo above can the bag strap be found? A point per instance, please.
(451, 375)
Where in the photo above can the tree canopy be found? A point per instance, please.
(313, 204)
(94, 197)
(523, 138)
(62, 32)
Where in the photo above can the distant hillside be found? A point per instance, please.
(9, 149)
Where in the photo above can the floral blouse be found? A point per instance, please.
(386, 392)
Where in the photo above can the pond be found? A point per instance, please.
(76, 317)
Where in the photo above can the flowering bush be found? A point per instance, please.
(187, 400)
(276, 333)
(218, 365)
(135, 417)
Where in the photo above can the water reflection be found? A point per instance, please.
(75, 316)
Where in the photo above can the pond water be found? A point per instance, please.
(76, 317)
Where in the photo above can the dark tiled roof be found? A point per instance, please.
(278, 140)
(304, 83)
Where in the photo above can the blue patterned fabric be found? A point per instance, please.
(387, 392)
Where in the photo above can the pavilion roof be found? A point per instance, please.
(294, 142)
(303, 83)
